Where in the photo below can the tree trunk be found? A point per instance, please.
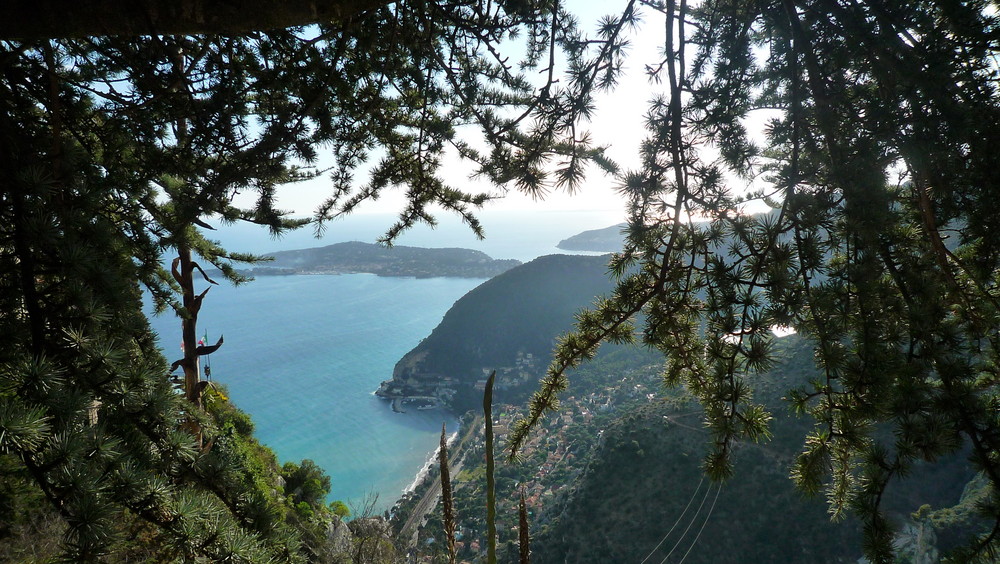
(183, 271)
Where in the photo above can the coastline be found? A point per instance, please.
(317, 347)
(432, 459)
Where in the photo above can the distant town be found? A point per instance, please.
(549, 460)
(427, 390)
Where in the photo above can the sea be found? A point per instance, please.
(304, 354)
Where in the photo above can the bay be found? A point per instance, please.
(304, 354)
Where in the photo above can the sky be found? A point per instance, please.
(617, 124)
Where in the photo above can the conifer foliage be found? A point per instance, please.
(118, 153)
(877, 159)
(881, 123)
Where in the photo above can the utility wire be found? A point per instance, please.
(688, 528)
(679, 517)
(698, 536)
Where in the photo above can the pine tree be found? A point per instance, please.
(881, 246)
(119, 152)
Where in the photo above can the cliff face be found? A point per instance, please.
(509, 323)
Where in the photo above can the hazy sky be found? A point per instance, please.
(617, 124)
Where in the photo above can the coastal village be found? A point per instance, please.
(553, 456)
(428, 390)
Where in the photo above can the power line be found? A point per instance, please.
(679, 517)
(698, 536)
(688, 528)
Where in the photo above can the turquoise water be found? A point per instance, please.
(304, 354)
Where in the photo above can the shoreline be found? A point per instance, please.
(432, 459)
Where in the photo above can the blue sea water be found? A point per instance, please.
(304, 354)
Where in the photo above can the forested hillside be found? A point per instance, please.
(618, 477)
(521, 312)
(644, 484)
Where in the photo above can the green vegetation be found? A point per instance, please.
(243, 474)
(291, 499)
(638, 480)
(387, 261)
(952, 525)
(117, 154)
(877, 158)
(306, 483)
(606, 480)
(521, 312)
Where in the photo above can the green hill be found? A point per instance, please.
(400, 260)
(645, 471)
(509, 323)
(606, 240)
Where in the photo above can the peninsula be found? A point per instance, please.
(606, 240)
(357, 257)
(508, 324)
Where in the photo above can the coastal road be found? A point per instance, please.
(429, 500)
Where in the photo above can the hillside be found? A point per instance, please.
(606, 240)
(351, 257)
(643, 475)
(610, 475)
(611, 514)
(509, 323)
